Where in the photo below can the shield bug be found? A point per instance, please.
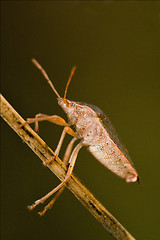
(94, 130)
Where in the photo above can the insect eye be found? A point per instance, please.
(73, 104)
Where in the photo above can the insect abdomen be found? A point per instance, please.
(108, 154)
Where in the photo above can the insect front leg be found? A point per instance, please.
(72, 161)
(65, 160)
(43, 117)
(56, 120)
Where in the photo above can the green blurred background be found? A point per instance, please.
(116, 47)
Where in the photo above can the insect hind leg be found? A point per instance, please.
(72, 161)
(65, 161)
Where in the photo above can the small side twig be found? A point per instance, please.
(41, 149)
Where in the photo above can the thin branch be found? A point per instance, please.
(41, 149)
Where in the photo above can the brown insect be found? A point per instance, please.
(94, 130)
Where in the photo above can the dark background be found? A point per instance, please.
(116, 47)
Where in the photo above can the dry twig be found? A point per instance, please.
(41, 149)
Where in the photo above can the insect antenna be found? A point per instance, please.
(69, 80)
(45, 75)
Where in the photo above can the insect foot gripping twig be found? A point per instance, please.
(40, 148)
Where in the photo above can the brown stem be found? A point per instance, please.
(41, 149)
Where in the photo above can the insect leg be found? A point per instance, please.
(72, 161)
(68, 150)
(65, 160)
(65, 130)
(50, 204)
(43, 117)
